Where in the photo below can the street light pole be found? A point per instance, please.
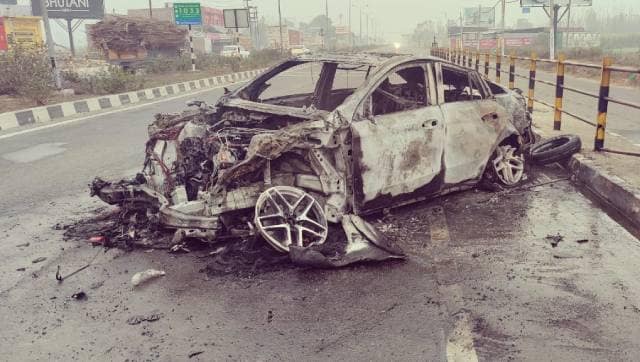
(280, 25)
(150, 10)
(504, 6)
(350, 33)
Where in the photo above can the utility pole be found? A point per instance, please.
(50, 44)
(280, 25)
(504, 7)
(350, 32)
(360, 23)
(366, 14)
(71, 45)
(150, 10)
(326, 31)
(553, 16)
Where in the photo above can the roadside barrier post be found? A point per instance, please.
(459, 57)
(478, 61)
(512, 71)
(557, 117)
(464, 57)
(486, 65)
(603, 103)
(532, 82)
(498, 64)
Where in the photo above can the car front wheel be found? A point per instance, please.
(506, 169)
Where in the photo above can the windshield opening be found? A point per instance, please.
(300, 84)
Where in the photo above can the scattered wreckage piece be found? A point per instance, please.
(299, 167)
(145, 276)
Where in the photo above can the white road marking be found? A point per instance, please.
(459, 342)
(136, 106)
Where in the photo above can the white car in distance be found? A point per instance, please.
(234, 51)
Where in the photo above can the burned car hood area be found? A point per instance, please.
(297, 163)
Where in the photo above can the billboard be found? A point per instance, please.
(3, 36)
(236, 18)
(70, 9)
(534, 3)
(479, 16)
(25, 31)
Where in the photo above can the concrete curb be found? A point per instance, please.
(26, 117)
(623, 196)
(617, 192)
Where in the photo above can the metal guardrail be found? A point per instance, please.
(465, 57)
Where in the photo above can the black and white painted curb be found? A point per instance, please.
(54, 112)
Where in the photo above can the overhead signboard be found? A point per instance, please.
(236, 18)
(9, 2)
(70, 9)
(479, 16)
(187, 13)
(528, 3)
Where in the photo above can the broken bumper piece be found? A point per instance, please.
(359, 241)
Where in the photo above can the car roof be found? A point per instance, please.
(368, 58)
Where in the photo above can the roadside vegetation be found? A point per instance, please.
(26, 80)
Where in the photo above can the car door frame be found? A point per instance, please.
(467, 164)
(365, 202)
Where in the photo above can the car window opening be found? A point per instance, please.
(458, 86)
(402, 91)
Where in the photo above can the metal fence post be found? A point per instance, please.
(498, 66)
(603, 103)
(464, 57)
(557, 117)
(486, 65)
(512, 71)
(470, 59)
(532, 82)
(478, 61)
(459, 57)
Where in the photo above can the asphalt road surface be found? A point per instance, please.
(481, 282)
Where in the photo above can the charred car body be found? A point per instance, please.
(300, 152)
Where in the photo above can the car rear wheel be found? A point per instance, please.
(506, 168)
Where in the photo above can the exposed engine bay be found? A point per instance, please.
(210, 173)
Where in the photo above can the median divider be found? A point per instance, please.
(43, 114)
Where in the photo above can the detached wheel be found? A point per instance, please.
(555, 149)
(286, 216)
(506, 169)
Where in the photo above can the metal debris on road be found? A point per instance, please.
(137, 319)
(555, 239)
(80, 296)
(145, 276)
(23, 245)
(193, 354)
(38, 260)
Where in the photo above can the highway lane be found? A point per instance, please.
(59, 161)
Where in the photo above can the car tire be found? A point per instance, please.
(554, 149)
(506, 169)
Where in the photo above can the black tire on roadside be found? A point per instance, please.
(554, 149)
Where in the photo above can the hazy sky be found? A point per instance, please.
(393, 17)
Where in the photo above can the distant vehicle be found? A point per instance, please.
(299, 50)
(234, 51)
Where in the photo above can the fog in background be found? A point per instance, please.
(393, 18)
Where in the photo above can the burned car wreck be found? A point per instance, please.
(301, 152)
